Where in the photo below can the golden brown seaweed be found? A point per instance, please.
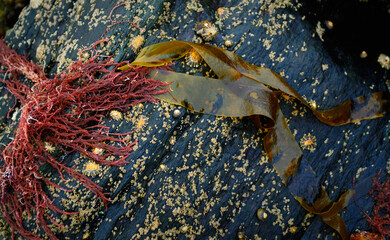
(243, 89)
(328, 210)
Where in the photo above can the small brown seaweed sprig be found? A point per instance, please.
(65, 111)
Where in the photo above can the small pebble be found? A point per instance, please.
(176, 113)
(261, 214)
(329, 24)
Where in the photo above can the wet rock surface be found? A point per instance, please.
(196, 176)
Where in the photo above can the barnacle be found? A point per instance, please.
(98, 151)
(206, 30)
(91, 168)
(35, 3)
(141, 123)
(308, 142)
(293, 229)
(136, 43)
(228, 42)
(193, 58)
(222, 13)
(116, 115)
(41, 51)
(313, 104)
(49, 147)
(83, 55)
(184, 228)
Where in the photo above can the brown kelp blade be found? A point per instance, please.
(279, 143)
(230, 67)
(221, 98)
(328, 210)
(282, 149)
(360, 108)
(232, 99)
(243, 89)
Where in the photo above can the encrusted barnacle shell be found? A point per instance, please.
(136, 43)
(293, 229)
(228, 43)
(49, 147)
(116, 115)
(84, 56)
(141, 122)
(98, 151)
(91, 168)
(222, 13)
(308, 142)
(35, 3)
(193, 58)
(206, 30)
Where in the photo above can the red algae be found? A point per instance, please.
(65, 111)
(380, 219)
(366, 236)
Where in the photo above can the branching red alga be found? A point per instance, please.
(380, 219)
(65, 111)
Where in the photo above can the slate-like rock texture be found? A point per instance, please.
(198, 176)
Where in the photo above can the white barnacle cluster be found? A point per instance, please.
(35, 3)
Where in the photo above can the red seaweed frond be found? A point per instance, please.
(65, 111)
(380, 219)
(114, 23)
(17, 64)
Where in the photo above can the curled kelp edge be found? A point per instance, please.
(328, 210)
(235, 93)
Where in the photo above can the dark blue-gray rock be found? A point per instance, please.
(200, 176)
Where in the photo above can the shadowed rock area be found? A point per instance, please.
(197, 176)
